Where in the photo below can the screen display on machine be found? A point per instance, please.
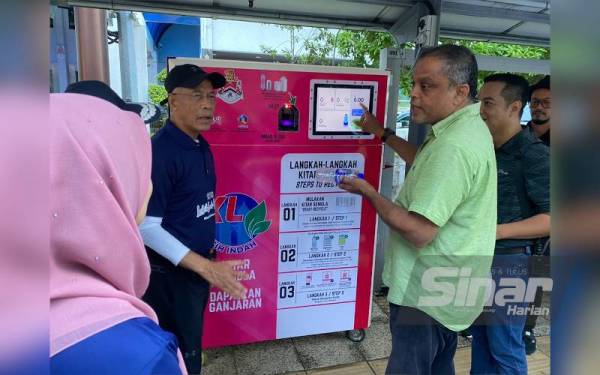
(335, 107)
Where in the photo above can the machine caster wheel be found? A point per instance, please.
(356, 335)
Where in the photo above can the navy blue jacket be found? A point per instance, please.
(183, 175)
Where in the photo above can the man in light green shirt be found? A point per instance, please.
(444, 219)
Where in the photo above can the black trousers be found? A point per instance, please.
(179, 296)
(539, 266)
(420, 345)
(531, 321)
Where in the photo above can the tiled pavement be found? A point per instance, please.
(334, 354)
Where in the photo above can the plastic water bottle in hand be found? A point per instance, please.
(331, 175)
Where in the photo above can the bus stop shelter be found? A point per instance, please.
(511, 21)
(524, 22)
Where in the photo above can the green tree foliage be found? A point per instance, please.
(361, 49)
(161, 76)
(157, 93)
(503, 50)
(293, 49)
(322, 46)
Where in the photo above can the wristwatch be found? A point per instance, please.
(386, 133)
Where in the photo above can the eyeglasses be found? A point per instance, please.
(196, 96)
(546, 103)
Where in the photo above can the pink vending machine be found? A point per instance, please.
(282, 135)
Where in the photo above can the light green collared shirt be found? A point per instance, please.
(452, 183)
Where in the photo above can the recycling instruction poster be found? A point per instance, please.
(319, 231)
(307, 246)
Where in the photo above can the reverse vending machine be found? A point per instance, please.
(282, 136)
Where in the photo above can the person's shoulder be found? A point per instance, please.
(534, 149)
(164, 148)
(471, 125)
(450, 150)
(473, 136)
(162, 139)
(160, 134)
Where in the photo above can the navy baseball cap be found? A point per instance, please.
(190, 76)
(147, 111)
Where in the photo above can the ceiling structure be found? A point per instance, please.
(510, 21)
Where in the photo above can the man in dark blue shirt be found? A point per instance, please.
(539, 126)
(179, 229)
(541, 110)
(523, 216)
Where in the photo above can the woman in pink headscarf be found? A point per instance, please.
(100, 186)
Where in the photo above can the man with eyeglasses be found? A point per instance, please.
(179, 229)
(541, 110)
(443, 219)
(523, 216)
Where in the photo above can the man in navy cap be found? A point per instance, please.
(179, 229)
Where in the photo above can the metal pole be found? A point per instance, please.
(61, 76)
(91, 44)
(389, 59)
(405, 29)
(126, 55)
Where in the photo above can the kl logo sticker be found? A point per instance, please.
(232, 91)
(239, 220)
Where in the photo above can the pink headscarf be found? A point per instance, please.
(99, 176)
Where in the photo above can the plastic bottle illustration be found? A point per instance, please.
(309, 279)
(315, 242)
(329, 175)
(345, 119)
